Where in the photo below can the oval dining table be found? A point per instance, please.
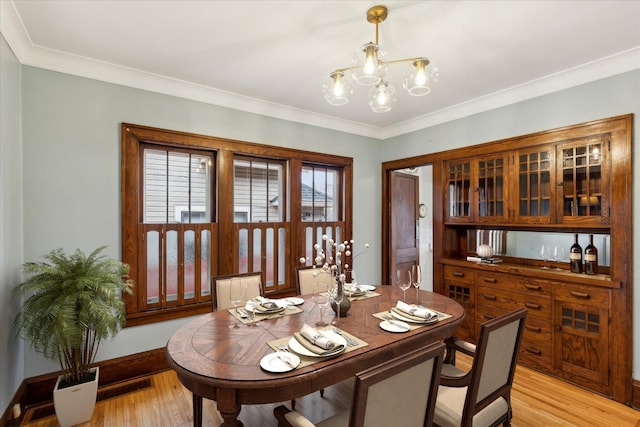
(216, 361)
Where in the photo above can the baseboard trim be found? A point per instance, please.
(635, 394)
(117, 376)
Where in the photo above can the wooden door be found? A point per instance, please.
(404, 222)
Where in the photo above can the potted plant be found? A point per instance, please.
(73, 303)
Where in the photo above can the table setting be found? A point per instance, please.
(405, 317)
(308, 345)
(261, 308)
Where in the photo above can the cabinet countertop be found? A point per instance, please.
(600, 280)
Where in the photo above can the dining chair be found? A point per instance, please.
(222, 284)
(401, 392)
(481, 397)
(306, 276)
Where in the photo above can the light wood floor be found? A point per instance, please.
(538, 400)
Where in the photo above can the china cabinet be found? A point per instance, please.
(575, 179)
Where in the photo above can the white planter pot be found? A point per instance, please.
(74, 405)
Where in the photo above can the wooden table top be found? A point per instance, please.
(223, 364)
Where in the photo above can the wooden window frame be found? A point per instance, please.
(133, 136)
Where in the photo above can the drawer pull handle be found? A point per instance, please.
(533, 328)
(583, 295)
(458, 274)
(532, 305)
(534, 350)
(489, 297)
(533, 287)
(489, 279)
(489, 316)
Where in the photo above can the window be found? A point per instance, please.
(176, 227)
(195, 207)
(259, 203)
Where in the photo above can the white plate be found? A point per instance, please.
(280, 303)
(366, 288)
(273, 362)
(294, 345)
(406, 319)
(395, 326)
(294, 300)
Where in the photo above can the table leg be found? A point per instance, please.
(197, 410)
(228, 407)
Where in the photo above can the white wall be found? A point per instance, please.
(71, 146)
(601, 99)
(11, 352)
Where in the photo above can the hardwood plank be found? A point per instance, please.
(538, 400)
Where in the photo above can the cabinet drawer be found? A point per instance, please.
(537, 305)
(459, 274)
(587, 295)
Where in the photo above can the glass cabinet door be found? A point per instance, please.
(535, 183)
(585, 184)
(491, 201)
(458, 191)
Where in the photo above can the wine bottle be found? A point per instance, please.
(591, 257)
(575, 256)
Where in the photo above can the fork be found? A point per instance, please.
(282, 347)
(350, 342)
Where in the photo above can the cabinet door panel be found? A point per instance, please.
(491, 186)
(582, 344)
(459, 191)
(533, 201)
(583, 172)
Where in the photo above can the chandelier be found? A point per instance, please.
(369, 67)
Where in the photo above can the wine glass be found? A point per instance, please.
(320, 298)
(404, 282)
(251, 304)
(558, 255)
(336, 297)
(416, 276)
(544, 255)
(236, 295)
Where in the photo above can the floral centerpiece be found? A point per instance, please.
(331, 257)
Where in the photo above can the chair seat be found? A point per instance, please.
(341, 419)
(448, 412)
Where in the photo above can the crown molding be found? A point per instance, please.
(609, 66)
(29, 54)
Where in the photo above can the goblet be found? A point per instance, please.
(416, 276)
(403, 282)
(236, 295)
(320, 298)
(544, 255)
(336, 297)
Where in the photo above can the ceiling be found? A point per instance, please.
(271, 57)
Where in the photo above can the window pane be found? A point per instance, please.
(319, 194)
(257, 251)
(155, 187)
(153, 267)
(200, 211)
(205, 264)
(243, 250)
(171, 268)
(282, 244)
(258, 191)
(189, 264)
(177, 187)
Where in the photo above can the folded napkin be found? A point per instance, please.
(414, 313)
(354, 291)
(265, 305)
(315, 342)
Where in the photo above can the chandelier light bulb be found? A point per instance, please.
(337, 89)
(382, 98)
(419, 78)
(367, 65)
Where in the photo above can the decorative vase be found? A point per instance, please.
(345, 303)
